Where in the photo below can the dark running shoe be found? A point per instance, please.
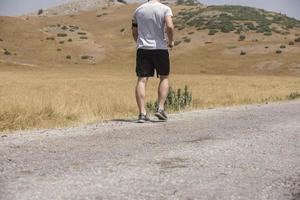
(161, 115)
(143, 118)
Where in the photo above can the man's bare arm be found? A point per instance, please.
(170, 30)
(134, 33)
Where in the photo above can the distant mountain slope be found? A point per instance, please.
(211, 40)
(235, 18)
(76, 6)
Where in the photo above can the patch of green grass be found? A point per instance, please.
(176, 100)
(294, 95)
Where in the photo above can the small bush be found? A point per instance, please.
(243, 53)
(62, 35)
(187, 40)
(68, 57)
(294, 95)
(268, 33)
(70, 40)
(50, 38)
(291, 43)
(266, 47)
(278, 51)
(61, 42)
(190, 33)
(176, 100)
(81, 33)
(1, 40)
(86, 57)
(282, 47)
(64, 28)
(83, 37)
(99, 15)
(176, 43)
(41, 11)
(181, 28)
(242, 37)
(122, 30)
(58, 49)
(212, 31)
(6, 52)
(297, 39)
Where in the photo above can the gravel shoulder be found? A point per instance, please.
(243, 152)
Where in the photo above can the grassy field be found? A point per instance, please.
(34, 98)
(45, 82)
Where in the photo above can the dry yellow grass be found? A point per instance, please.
(60, 97)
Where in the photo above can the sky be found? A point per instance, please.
(18, 7)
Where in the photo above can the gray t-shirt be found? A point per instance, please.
(150, 20)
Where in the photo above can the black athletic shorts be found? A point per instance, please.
(148, 61)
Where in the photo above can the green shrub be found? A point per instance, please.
(50, 38)
(68, 57)
(6, 52)
(212, 31)
(176, 100)
(190, 33)
(58, 50)
(70, 40)
(243, 53)
(83, 37)
(85, 57)
(176, 43)
(294, 95)
(297, 39)
(266, 47)
(61, 42)
(41, 11)
(81, 33)
(291, 43)
(62, 35)
(187, 40)
(122, 30)
(242, 37)
(278, 51)
(268, 33)
(282, 47)
(64, 28)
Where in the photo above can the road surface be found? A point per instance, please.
(244, 152)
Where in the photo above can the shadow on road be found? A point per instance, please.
(135, 121)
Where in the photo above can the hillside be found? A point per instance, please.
(94, 36)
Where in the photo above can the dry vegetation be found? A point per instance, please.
(43, 87)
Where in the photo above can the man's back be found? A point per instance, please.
(150, 18)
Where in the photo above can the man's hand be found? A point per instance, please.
(171, 44)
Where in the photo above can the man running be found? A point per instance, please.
(149, 23)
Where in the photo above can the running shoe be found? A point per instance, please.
(142, 118)
(161, 114)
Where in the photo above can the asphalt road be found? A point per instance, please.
(246, 152)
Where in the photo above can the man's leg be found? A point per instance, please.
(140, 93)
(163, 90)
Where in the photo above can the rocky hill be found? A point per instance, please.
(209, 39)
